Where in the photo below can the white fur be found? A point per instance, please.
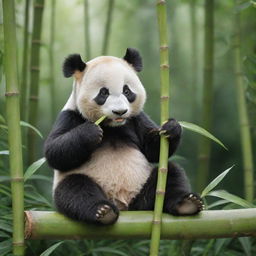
(120, 171)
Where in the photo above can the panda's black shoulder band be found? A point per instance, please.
(132, 56)
(73, 63)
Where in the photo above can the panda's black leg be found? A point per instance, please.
(179, 200)
(80, 198)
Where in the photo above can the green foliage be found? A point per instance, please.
(202, 131)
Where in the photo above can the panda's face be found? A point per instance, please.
(110, 87)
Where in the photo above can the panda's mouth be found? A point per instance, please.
(119, 120)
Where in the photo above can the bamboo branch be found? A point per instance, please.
(137, 225)
(34, 81)
(164, 145)
(108, 27)
(51, 59)
(13, 121)
(205, 144)
(86, 30)
(24, 77)
(246, 140)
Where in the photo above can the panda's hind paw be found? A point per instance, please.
(190, 205)
(105, 214)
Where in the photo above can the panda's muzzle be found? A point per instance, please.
(120, 112)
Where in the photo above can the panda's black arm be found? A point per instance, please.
(148, 133)
(71, 141)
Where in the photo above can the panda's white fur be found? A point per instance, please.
(114, 169)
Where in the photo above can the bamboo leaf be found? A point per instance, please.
(231, 198)
(33, 168)
(202, 131)
(215, 182)
(2, 120)
(4, 152)
(25, 124)
(50, 249)
(246, 244)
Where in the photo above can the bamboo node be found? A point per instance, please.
(160, 192)
(33, 97)
(38, 6)
(36, 41)
(18, 244)
(8, 94)
(203, 157)
(164, 97)
(239, 73)
(19, 179)
(156, 221)
(161, 2)
(164, 47)
(164, 66)
(35, 68)
(163, 170)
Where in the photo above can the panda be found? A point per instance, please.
(100, 170)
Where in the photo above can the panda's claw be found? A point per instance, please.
(106, 215)
(190, 205)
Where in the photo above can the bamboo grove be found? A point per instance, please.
(206, 76)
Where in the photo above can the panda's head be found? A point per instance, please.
(107, 86)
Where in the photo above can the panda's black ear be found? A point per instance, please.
(133, 57)
(72, 64)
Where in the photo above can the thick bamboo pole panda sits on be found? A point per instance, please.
(100, 170)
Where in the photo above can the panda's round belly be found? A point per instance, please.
(120, 171)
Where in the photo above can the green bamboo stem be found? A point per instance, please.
(34, 81)
(246, 140)
(24, 77)
(108, 27)
(86, 30)
(194, 53)
(205, 144)
(137, 225)
(51, 59)
(164, 144)
(13, 121)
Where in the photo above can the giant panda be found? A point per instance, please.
(102, 169)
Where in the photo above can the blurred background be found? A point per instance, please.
(134, 24)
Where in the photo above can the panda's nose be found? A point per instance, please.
(120, 112)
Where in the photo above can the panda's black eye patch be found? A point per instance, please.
(131, 96)
(102, 96)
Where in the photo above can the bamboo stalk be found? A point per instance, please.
(24, 77)
(246, 140)
(108, 27)
(51, 59)
(86, 30)
(34, 81)
(205, 144)
(137, 225)
(194, 53)
(13, 121)
(164, 144)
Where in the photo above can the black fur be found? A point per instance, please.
(133, 57)
(71, 64)
(79, 198)
(102, 96)
(130, 95)
(177, 187)
(71, 141)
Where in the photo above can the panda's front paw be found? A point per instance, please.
(171, 129)
(94, 133)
